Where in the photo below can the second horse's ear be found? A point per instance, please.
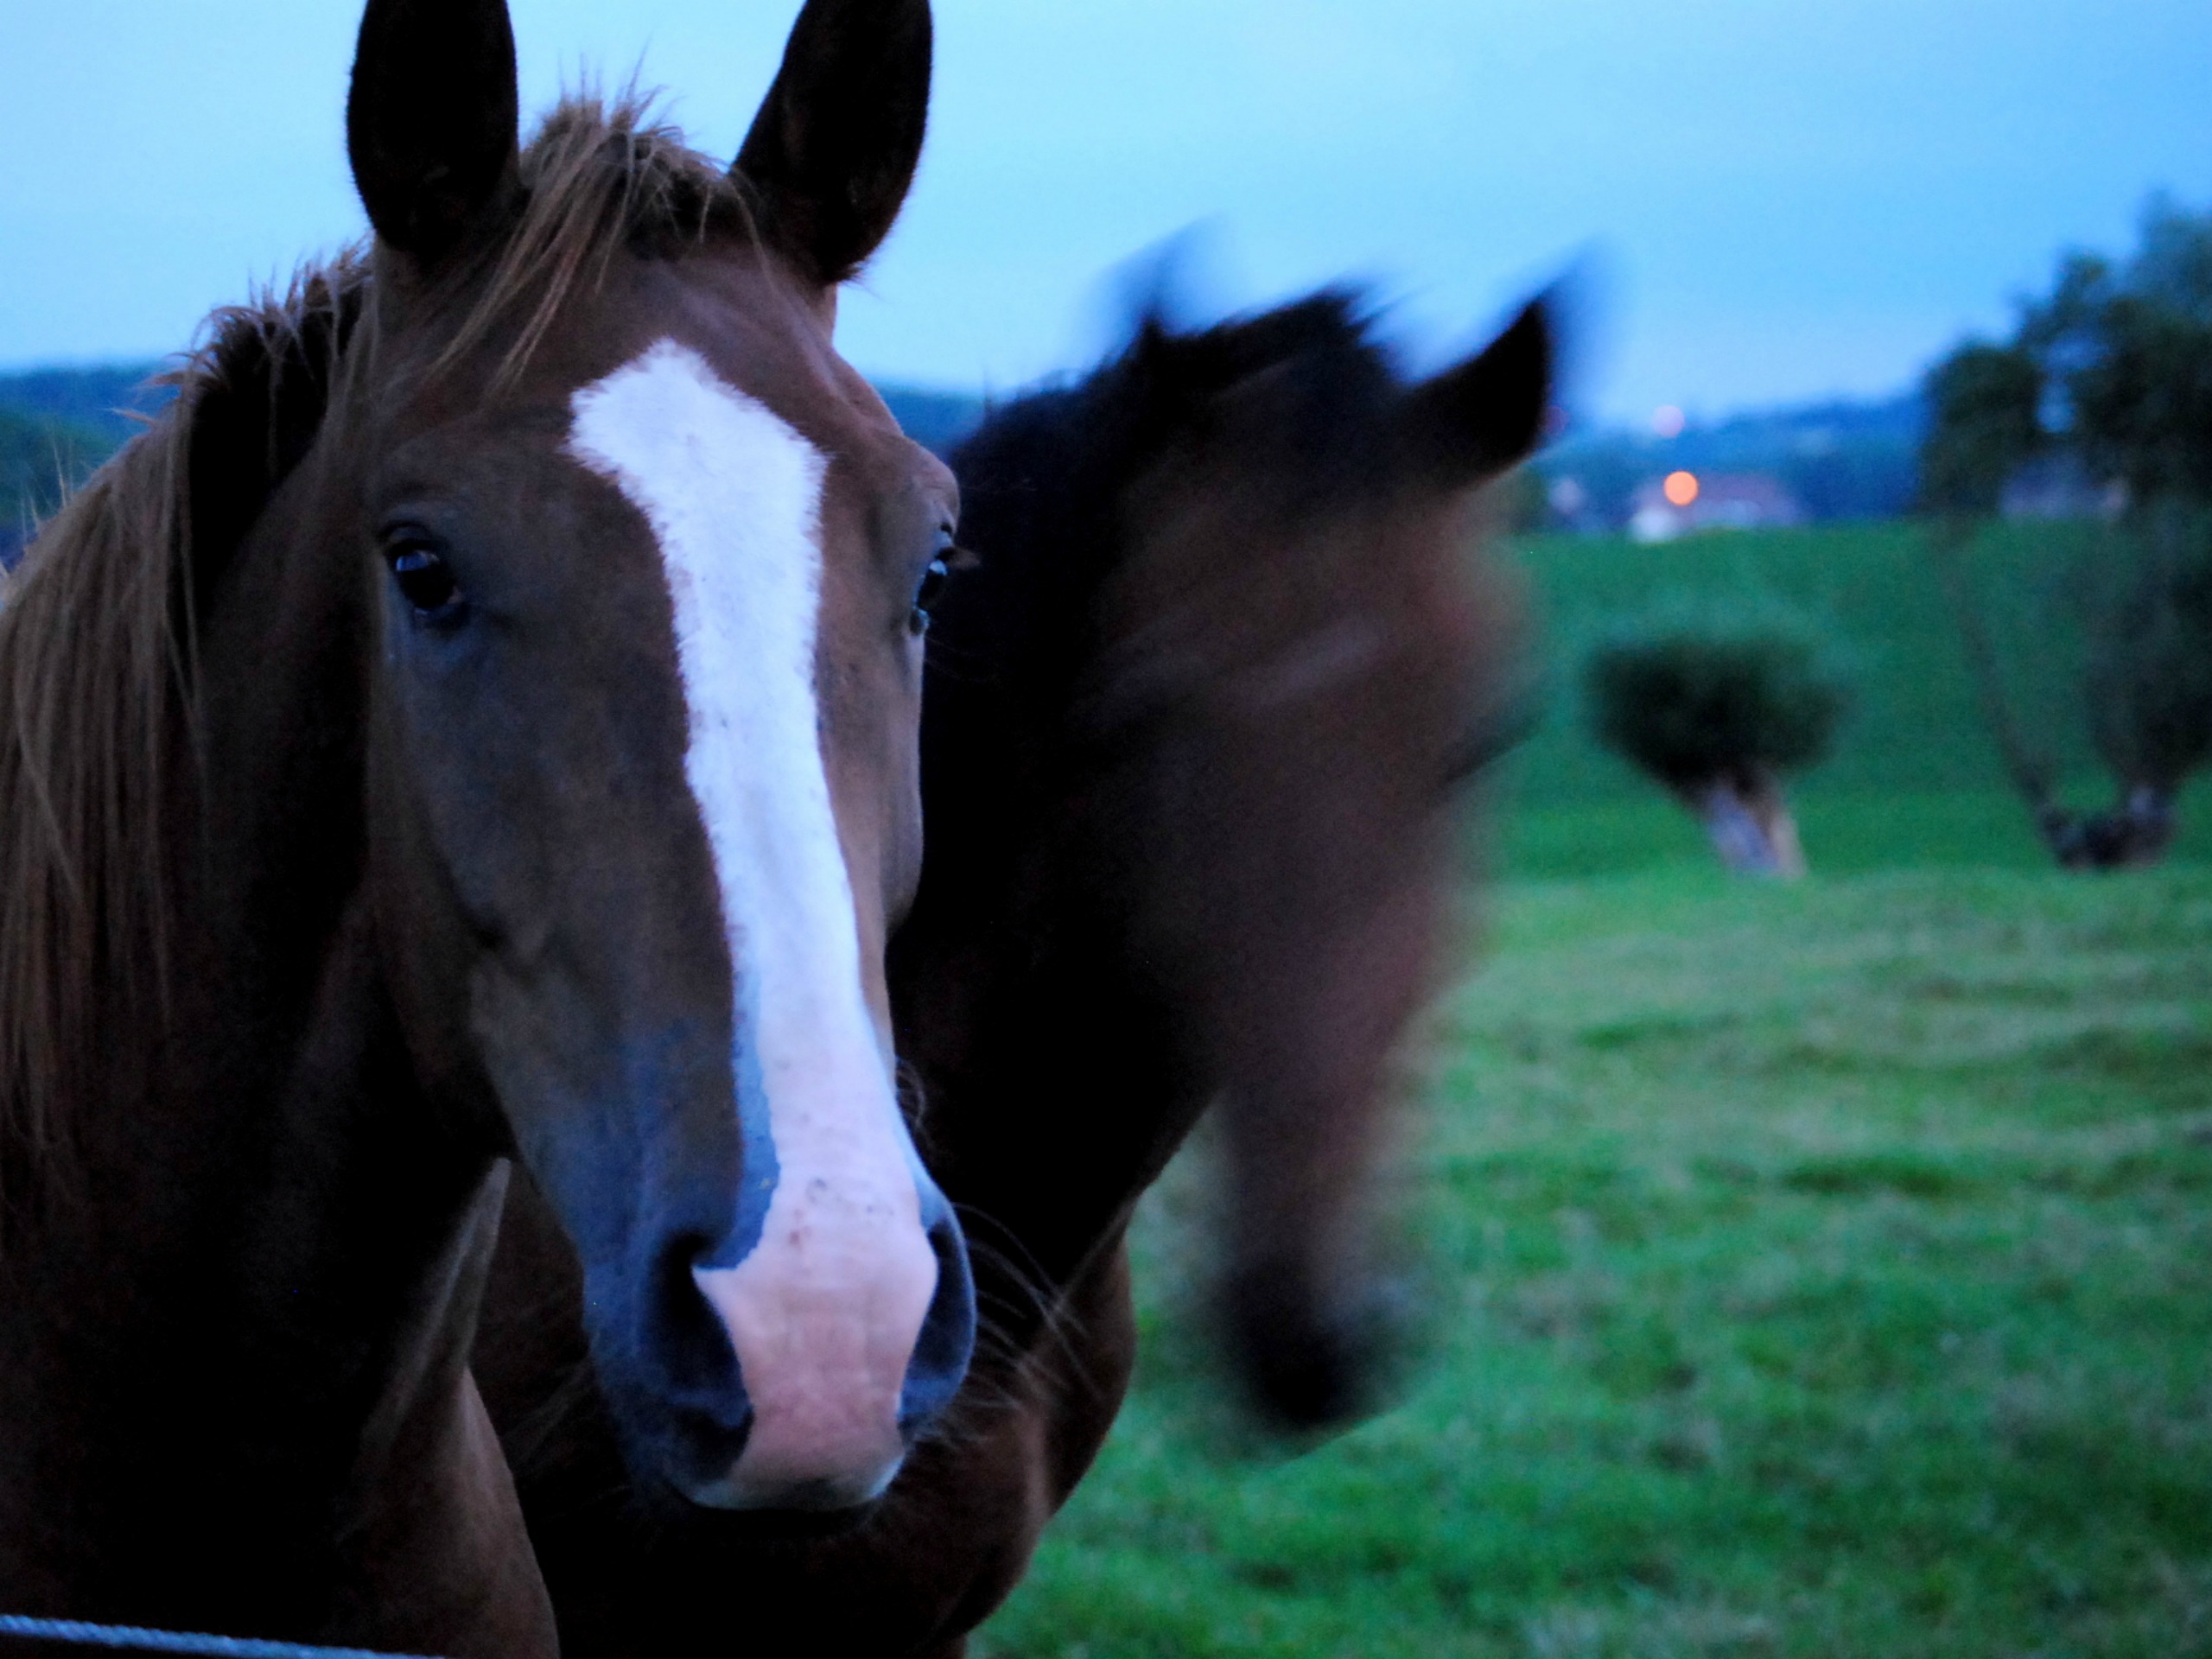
(1473, 422)
(431, 123)
(833, 150)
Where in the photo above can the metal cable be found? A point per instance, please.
(128, 1639)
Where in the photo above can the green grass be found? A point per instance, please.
(1822, 1270)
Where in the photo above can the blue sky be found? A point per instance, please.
(1786, 199)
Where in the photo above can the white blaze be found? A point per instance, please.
(826, 1310)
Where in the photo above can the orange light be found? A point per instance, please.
(1682, 488)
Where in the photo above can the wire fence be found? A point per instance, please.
(123, 1638)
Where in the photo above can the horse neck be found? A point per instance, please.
(248, 1271)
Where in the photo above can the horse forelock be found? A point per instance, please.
(98, 645)
(600, 176)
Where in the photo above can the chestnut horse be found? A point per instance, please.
(1190, 742)
(477, 722)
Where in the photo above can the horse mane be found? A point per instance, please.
(97, 697)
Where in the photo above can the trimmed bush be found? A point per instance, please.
(1690, 700)
(1719, 707)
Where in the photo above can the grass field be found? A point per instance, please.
(1812, 1270)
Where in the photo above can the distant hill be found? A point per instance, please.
(936, 420)
(56, 426)
(41, 458)
(98, 399)
(1841, 460)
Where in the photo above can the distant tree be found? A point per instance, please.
(1717, 708)
(41, 461)
(2150, 673)
(1984, 424)
(2111, 371)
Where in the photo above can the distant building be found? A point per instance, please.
(1664, 509)
(1657, 520)
(1746, 501)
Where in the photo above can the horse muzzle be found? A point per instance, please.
(852, 1321)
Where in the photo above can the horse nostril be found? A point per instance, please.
(947, 1341)
(686, 1336)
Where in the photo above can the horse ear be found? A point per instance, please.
(1473, 422)
(833, 150)
(431, 121)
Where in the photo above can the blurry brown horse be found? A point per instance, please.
(477, 722)
(1191, 737)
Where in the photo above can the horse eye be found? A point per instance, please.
(425, 581)
(926, 596)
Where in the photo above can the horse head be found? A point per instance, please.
(651, 567)
(1267, 648)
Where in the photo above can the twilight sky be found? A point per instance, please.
(1784, 199)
